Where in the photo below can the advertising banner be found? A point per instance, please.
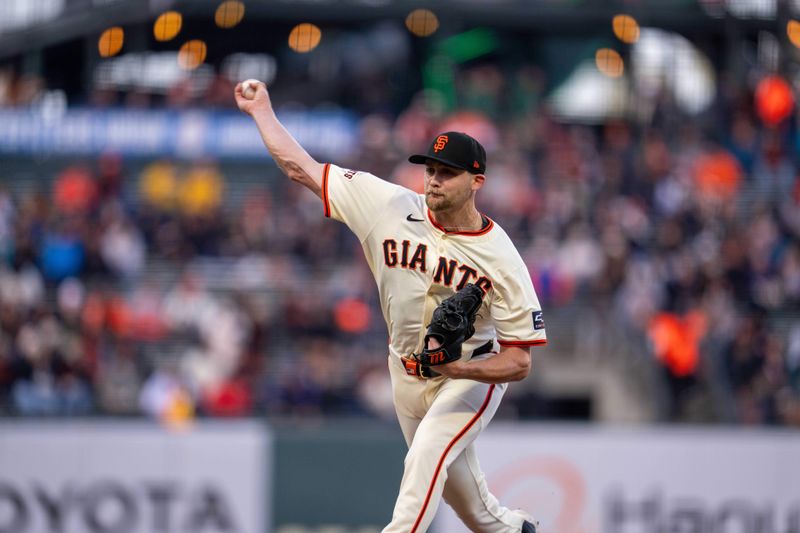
(585, 480)
(168, 133)
(76, 477)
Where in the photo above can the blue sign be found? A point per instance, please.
(158, 133)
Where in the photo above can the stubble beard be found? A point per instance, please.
(437, 203)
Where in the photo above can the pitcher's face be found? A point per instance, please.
(446, 187)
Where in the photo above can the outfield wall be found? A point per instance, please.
(98, 477)
(244, 477)
(649, 480)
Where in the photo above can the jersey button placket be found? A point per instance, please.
(430, 303)
(427, 312)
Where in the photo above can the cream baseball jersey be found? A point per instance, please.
(417, 263)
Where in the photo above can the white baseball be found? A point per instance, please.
(249, 88)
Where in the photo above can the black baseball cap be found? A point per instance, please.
(455, 149)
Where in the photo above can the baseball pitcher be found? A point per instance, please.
(459, 305)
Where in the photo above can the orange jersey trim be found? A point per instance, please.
(444, 454)
(481, 231)
(325, 200)
(538, 342)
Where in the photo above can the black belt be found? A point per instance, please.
(480, 350)
(486, 348)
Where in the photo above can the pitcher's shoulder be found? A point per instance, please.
(500, 237)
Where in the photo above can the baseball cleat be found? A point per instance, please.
(527, 527)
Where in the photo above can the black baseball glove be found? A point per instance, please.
(452, 324)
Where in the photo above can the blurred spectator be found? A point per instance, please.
(200, 191)
(158, 185)
(62, 252)
(678, 230)
(122, 248)
(74, 191)
(165, 397)
(676, 344)
(45, 382)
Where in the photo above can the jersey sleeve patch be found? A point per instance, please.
(538, 320)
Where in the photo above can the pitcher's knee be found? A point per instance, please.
(424, 452)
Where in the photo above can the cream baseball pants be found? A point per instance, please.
(440, 419)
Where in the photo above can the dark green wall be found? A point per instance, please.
(343, 473)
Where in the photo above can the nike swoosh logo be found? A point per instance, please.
(410, 218)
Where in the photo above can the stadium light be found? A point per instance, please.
(229, 14)
(111, 41)
(625, 28)
(422, 22)
(192, 54)
(167, 26)
(609, 62)
(304, 37)
(793, 32)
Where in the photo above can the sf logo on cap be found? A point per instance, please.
(441, 141)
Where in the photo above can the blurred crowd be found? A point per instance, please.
(180, 288)
(209, 89)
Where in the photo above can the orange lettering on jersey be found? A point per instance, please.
(443, 274)
(390, 253)
(441, 142)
